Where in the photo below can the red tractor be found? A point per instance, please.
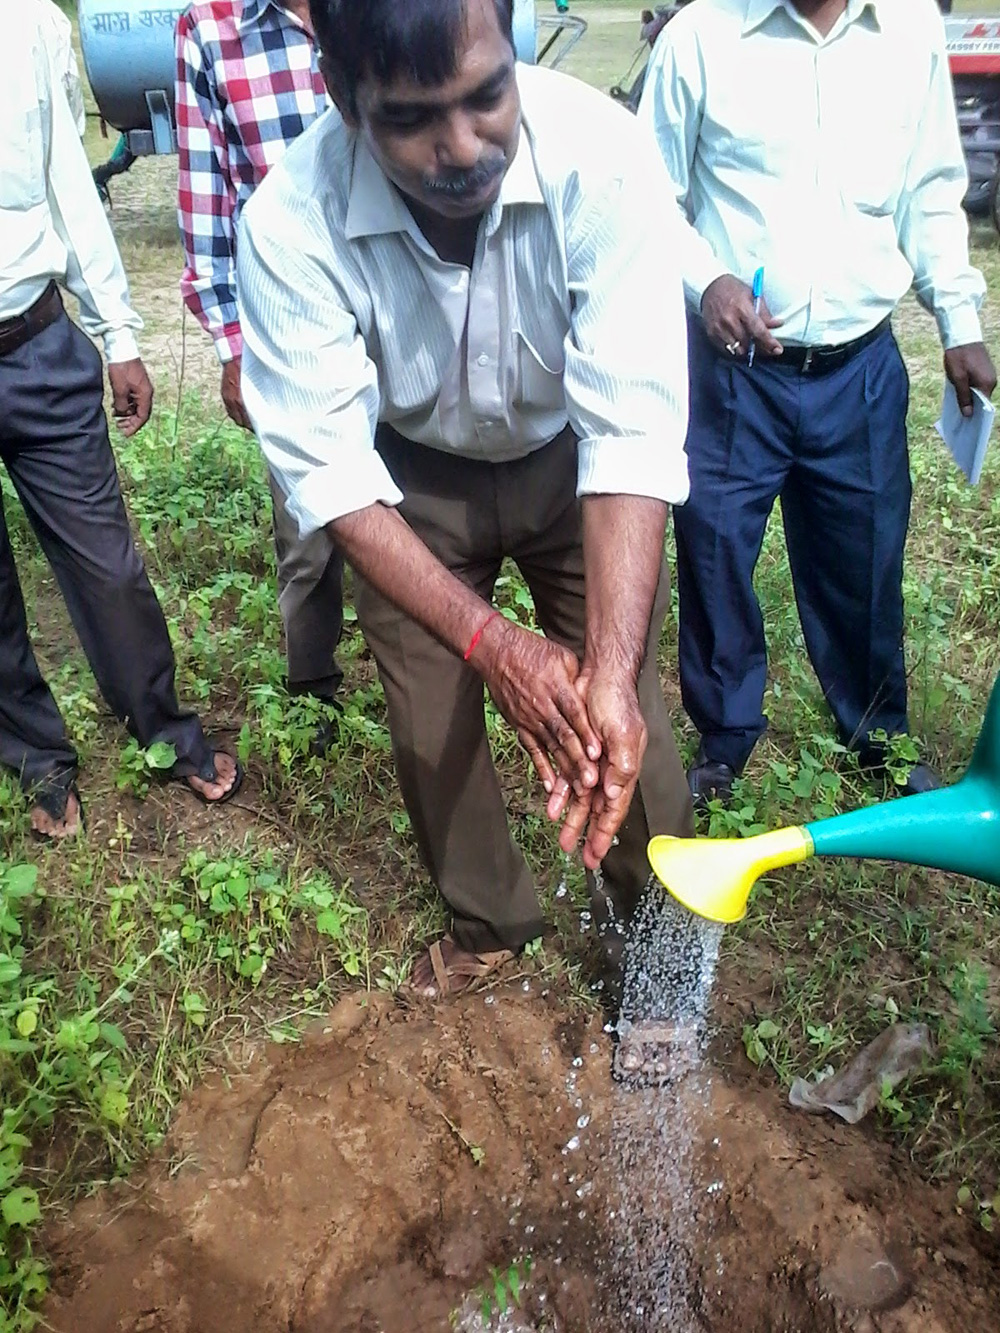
(974, 57)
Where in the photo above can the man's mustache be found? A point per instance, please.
(456, 184)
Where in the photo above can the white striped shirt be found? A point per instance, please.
(572, 312)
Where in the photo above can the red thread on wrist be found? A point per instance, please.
(474, 644)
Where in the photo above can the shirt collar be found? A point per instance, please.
(375, 207)
(254, 10)
(758, 11)
(521, 184)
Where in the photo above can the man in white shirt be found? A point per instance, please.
(54, 444)
(843, 182)
(461, 343)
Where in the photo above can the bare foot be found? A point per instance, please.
(225, 776)
(46, 826)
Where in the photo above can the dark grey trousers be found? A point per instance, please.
(54, 444)
(311, 601)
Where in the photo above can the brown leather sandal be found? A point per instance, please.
(458, 974)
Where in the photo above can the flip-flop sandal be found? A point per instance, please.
(468, 968)
(221, 800)
(54, 800)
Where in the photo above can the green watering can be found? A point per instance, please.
(956, 829)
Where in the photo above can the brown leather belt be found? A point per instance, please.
(14, 333)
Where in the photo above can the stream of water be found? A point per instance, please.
(650, 1189)
(670, 966)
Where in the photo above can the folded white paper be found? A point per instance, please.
(966, 437)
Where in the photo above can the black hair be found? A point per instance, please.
(383, 39)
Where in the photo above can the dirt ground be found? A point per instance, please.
(369, 1180)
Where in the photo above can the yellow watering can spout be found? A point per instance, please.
(714, 878)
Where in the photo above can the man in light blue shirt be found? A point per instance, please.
(844, 185)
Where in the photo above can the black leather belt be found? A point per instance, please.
(14, 333)
(823, 360)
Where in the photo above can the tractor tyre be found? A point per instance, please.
(995, 200)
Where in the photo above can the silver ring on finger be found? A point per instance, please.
(734, 349)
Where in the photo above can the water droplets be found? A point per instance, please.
(670, 963)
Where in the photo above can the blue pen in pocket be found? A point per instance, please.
(758, 292)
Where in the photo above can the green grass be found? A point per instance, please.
(170, 939)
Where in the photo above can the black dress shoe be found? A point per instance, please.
(323, 738)
(710, 781)
(327, 731)
(920, 778)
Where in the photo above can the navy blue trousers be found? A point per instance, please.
(833, 448)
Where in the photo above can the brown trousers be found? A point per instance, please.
(472, 514)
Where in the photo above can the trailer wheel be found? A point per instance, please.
(995, 200)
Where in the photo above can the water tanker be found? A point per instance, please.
(128, 53)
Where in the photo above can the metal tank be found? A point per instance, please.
(128, 52)
(525, 39)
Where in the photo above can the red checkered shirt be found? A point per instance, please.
(248, 83)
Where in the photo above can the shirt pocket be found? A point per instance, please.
(872, 167)
(22, 167)
(540, 375)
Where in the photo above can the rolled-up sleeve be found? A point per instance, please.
(626, 353)
(309, 386)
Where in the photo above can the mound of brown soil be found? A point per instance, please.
(370, 1180)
